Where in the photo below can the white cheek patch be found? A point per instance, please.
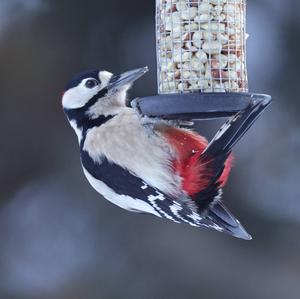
(78, 96)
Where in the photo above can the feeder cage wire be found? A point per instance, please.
(201, 46)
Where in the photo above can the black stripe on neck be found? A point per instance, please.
(84, 122)
(80, 114)
(92, 123)
(77, 111)
(81, 117)
(102, 93)
(100, 120)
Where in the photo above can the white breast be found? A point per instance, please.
(124, 141)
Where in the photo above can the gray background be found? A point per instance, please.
(59, 239)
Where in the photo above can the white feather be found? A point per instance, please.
(124, 141)
(79, 95)
(123, 201)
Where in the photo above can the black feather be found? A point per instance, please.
(84, 75)
(215, 156)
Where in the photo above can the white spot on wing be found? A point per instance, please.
(223, 129)
(195, 217)
(175, 208)
(153, 198)
(226, 126)
(145, 186)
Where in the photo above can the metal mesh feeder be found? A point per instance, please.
(201, 46)
(201, 60)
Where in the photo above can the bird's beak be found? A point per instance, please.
(127, 78)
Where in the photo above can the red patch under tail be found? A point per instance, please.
(189, 147)
(225, 174)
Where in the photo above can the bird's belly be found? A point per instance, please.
(123, 201)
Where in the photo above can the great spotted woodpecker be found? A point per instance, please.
(152, 166)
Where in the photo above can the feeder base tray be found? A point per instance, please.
(196, 106)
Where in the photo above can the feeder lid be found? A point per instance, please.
(196, 106)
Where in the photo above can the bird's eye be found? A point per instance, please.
(91, 83)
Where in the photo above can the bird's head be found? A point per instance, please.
(96, 93)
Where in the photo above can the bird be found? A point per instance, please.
(152, 165)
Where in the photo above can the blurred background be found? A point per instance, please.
(60, 240)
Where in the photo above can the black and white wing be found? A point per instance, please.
(130, 192)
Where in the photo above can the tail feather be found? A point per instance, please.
(221, 216)
(216, 154)
(234, 129)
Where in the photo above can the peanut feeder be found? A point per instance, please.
(201, 46)
(201, 61)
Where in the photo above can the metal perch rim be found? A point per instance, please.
(196, 106)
